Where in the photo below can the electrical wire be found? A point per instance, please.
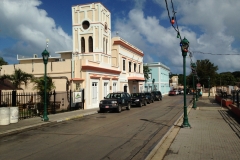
(214, 54)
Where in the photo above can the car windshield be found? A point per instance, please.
(113, 95)
(156, 92)
(135, 95)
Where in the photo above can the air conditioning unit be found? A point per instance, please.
(35, 56)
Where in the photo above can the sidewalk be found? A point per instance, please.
(215, 134)
(35, 122)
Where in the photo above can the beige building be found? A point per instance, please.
(98, 63)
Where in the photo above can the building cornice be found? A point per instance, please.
(121, 43)
(99, 69)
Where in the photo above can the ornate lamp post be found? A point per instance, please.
(193, 66)
(153, 84)
(208, 87)
(197, 89)
(45, 55)
(184, 47)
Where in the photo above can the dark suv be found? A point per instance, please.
(115, 101)
(138, 99)
(149, 97)
(157, 95)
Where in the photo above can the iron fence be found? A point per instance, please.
(31, 105)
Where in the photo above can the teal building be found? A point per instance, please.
(158, 78)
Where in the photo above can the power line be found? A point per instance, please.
(212, 53)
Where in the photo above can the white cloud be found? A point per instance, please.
(210, 26)
(30, 26)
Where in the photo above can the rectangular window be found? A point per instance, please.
(130, 64)
(135, 66)
(105, 89)
(77, 86)
(114, 87)
(139, 68)
(124, 64)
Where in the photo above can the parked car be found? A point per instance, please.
(149, 97)
(177, 92)
(172, 93)
(138, 99)
(157, 95)
(115, 101)
(181, 91)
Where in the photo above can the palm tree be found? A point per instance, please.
(146, 71)
(18, 77)
(39, 85)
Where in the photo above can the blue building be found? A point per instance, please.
(158, 78)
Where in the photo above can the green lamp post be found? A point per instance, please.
(184, 47)
(45, 55)
(208, 86)
(193, 66)
(153, 89)
(197, 89)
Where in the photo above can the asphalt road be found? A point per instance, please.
(116, 136)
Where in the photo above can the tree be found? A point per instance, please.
(226, 78)
(146, 71)
(3, 62)
(18, 77)
(206, 69)
(39, 85)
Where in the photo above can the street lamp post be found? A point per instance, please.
(193, 66)
(197, 89)
(184, 47)
(208, 87)
(153, 84)
(45, 55)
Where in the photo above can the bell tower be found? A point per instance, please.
(91, 29)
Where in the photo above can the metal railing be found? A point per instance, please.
(30, 104)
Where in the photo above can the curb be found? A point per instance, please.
(161, 142)
(30, 127)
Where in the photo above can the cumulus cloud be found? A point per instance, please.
(29, 27)
(210, 26)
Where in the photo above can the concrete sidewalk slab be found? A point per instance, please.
(215, 134)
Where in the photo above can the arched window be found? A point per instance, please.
(90, 44)
(82, 45)
(103, 45)
(106, 46)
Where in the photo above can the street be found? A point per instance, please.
(127, 135)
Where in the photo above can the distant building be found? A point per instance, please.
(174, 82)
(158, 78)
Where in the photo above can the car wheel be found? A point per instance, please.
(128, 106)
(119, 109)
(140, 104)
(100, 110)
(145, 103)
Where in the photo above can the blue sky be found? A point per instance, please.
(211, 26)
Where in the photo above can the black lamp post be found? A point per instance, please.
(184, 47)
(45, 55)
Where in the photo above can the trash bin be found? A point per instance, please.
(4, 116)
(14, 114)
